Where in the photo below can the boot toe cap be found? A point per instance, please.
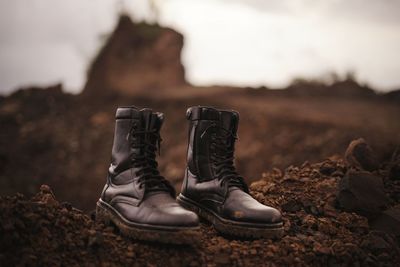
(183, 218)
(242, 207)
(272, 215)
(158, 211)
(174, 216)
(267, 215)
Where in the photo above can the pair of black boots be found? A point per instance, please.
(141, 202)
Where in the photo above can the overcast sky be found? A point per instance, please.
(234, 42)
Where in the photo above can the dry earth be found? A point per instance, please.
(318, 231)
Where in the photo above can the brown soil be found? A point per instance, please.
(41, 231)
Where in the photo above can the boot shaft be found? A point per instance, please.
(206, 126)
(129, 121)
(136, 142)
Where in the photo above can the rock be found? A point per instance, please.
(360, 155)
(394, 173)
(45, 189)
(66, 205)
(46, 196)
(376, 242)
(137, 57)
(337, 174)
(388, 221)
(222, 259)
(362, 192)
(327, 168)
(130, 254)
(320, 249)
(394, 166)
(291, 206)
(95, 239)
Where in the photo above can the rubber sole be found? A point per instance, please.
(233, 228)
(163, 234)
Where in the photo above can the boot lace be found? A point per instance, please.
(148, 142)
(222, 155)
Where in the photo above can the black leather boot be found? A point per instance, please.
(212, 187)
(136, 198)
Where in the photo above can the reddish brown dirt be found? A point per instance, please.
(41, 231)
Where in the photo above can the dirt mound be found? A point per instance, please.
(41, 231)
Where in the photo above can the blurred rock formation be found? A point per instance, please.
(137, 57)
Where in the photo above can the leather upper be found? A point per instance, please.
(134, 186)
(219, 189)
(203, 123)
(230, 203)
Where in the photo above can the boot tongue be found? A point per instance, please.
(157, 121)
(151, 120)
(229, 121)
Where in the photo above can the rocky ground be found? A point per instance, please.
(336, 213)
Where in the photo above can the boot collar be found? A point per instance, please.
(228, 119)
